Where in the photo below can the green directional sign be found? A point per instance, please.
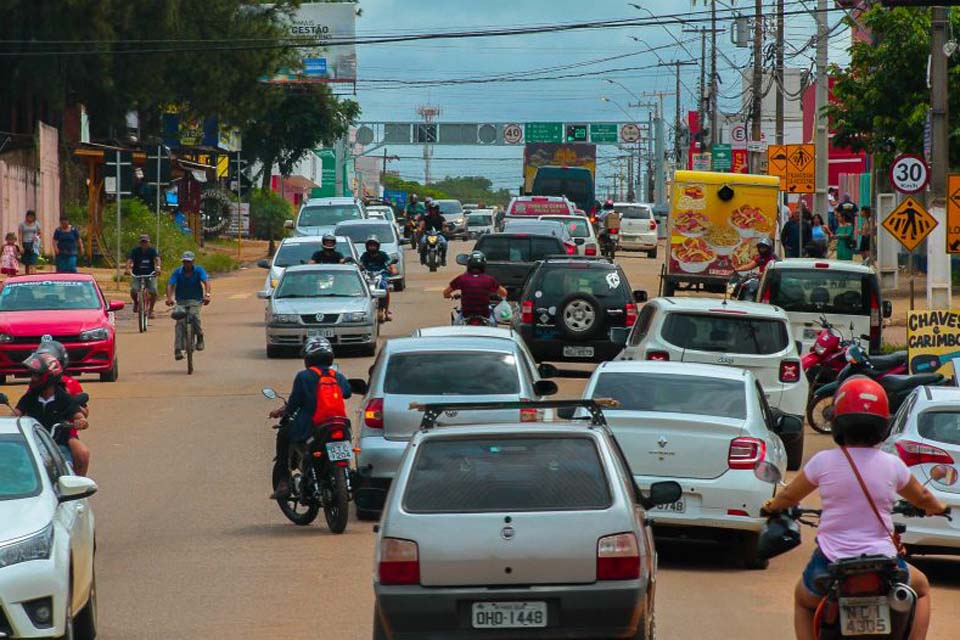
(603, 133)
(543, 132)
(721, 157)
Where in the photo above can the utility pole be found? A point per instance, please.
(779, 72)
(678, 123)
(631, 194)
(938, 261)
(659, 179)
(705, 111)
(713, 72)
(821, 141)
(756, 112)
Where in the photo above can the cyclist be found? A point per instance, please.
(192, 288)
(379, 262)
(856, 517)
(144, 260)
(311, 386)
(328, 253)
(475, 288)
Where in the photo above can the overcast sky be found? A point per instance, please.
(570, 99)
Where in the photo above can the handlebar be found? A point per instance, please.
(908, 510)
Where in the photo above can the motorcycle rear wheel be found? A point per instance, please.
(291, 506)
(337, 508)
(820, 414)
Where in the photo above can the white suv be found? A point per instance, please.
(747, 335)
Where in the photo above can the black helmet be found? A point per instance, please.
(56, 349)
(317, 352)
(608, 205)
(477, 261)
(372, 240)
(329, 240)
(779, 535)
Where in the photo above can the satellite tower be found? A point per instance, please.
(428, 113)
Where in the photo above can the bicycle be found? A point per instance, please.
(140, 284)
(186, 316)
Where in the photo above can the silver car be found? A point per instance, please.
(327, 300)
(358, 231)
(516, 530)
(299, 250)
(428, 369)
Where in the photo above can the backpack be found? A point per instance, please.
(330, 404)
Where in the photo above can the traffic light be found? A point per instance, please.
(576, 133)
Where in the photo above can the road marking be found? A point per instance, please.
(240, 296)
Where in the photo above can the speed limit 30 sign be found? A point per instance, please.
(909, 173)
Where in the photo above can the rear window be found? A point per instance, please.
(725, 333)
(454, 374)
(558, 282)
(479, 220)
(450, 207)
(327, 215)
(507, 474)
(361, 232)
(513, 249)
(577, 226)
(19, 477)
(940, 426)
(820, 290)
(635, 213)
(694, 395)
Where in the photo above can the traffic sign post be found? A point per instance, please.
(721, 157)
(909, 173)
(544, 131)
(629, 132)
(512, 133)
(603, 133)
(953, 213)
(576, 133)
(909, 223)
(800, 171)
(777, 162)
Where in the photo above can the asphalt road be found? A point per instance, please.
(190, 547)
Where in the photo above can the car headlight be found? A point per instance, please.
(354, 316)
(100, 333)
(34, 547)
(6, 337)
(286, 318)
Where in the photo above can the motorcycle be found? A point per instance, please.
(378, 284)
(743, 287)
(410, 226)
(827, 358)
(318, 471)
(430, 253)
(609, 243)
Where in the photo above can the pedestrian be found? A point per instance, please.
(845, 241)
(10, 256)
(848, 207)
(832, 217)
(795, 235)
(29, 231)
(866, 234)
(67, 245)
(820, 234)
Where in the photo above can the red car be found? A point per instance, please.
(70, 308)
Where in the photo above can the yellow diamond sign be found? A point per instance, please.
(909, 223)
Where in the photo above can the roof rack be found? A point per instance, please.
(433, 410)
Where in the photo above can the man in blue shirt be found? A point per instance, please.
(192, 288)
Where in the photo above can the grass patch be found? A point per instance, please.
(215, 262)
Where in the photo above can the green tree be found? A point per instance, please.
(268, 213)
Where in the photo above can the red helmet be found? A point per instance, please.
(44, 370)
(861, 412)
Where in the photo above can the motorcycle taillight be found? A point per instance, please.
(862, 584)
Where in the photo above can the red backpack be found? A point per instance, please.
(330, 404)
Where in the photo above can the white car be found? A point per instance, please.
(582, 232)
(481, 222)
(299, 250)
(707, 427)
(638, 227)
(47, 583)
(318, 216)
(746, 335)
(925, 434)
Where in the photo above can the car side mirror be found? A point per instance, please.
(71, 488)
(462, 259)
(661, 493)
(288, 224)
(547, 370)
(640, 295)
(788, 426)
(545, 387)
(395, 260)
(263, 294)
(263, 263)
(887, 309)
(358, 386)
(115, 305)
(269, 393)
(619, 335)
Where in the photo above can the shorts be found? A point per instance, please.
(864, 243)
(150, 283)
(28, 257)
(818, 567)
(9, 272)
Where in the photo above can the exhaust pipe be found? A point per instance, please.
(902, 598)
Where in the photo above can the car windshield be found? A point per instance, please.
(634, 213)
(519, 249)
(292, 253)
(559, 282)
(19, 477)
(484, 474)
(820, 291)
(577, 226)
(37, 295)
(437, 373)
(696, 395)
(723, 333)
(321, 284)
(327, 215)
(940, 426)
(360, 232)
(479, 220)
(450, 207)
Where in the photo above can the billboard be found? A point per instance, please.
(323, 23)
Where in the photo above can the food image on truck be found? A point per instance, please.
(710, 236)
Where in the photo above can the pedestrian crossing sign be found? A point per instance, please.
(909, 223)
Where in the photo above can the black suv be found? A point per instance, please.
(511, 257)
(569, 306)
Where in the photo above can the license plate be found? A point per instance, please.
(865, 616)
(337, 451)
(320, 333)
(578, 352)
(809, 334)
(509, 615)
(674, 507)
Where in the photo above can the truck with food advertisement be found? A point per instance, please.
(561, 169)
(715, 222)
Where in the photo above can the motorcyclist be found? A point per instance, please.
(475, 288)
(609, 221)
(49, 403)
(373, 259)
(848, 526)
(301, 406)
(80, 452)
(415, 208)
(765, 256)
(327, 254)
(433, 221)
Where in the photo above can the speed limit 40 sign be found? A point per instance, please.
(909, 173)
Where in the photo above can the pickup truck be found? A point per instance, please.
(512, 256)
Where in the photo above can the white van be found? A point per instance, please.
(846, 293)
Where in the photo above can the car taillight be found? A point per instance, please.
(653, 225)
(862, 584)
(631, 317)
(914, 453)
(618, 557)
(658, 355)
(789, 371)
(399, 562)
(526, 312)
(765, 295)
(570, 248)
(373, 414)
(745, 453)
(590, 250)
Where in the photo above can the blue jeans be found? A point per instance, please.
(818, 568)
(66, 264)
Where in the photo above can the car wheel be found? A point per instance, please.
(749, 556)
(379, 632)
(399, 285)
(652, 254)
(85, 626)
(113, 374)
(794, 453)
(580, 316)
(274, 351)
